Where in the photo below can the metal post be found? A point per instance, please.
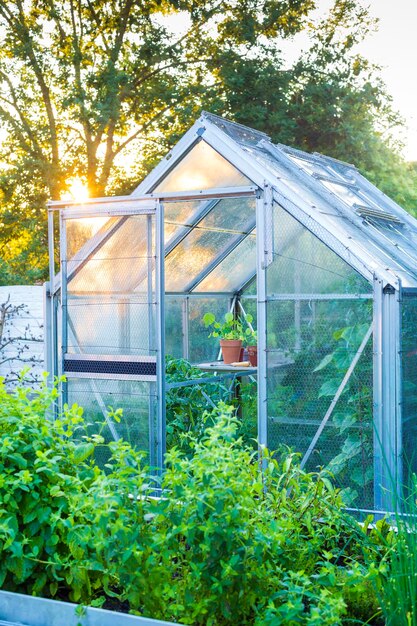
(160, 337)
(387, 397)
(153, 437)
(50, 306)
(150, 255)
(264, 255)
(297, 308)
(64, 305)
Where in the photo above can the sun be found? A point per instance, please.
(77, 190)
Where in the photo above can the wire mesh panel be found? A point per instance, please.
(109, 325)
(409, 384)
(186, 335)
(319, 352)
(99, 397)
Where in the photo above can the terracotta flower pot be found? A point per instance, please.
(230, 350)
(253, 355)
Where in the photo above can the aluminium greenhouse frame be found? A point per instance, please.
(389, 268)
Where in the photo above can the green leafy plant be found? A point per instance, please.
(191, 408)
(397, 570)
(231, 328)
(188, 405)
(231, 541)
(251, 335)
(256, 547)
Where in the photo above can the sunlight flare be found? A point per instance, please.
(77, 191)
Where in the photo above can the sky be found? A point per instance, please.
(394, 48)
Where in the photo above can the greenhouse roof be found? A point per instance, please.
(329, 197)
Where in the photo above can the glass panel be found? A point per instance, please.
(203, 348)
(403, 238)
(119, 264)
(80, 231)
(309, 166)
(409, 385)
(241, 134)
(303, 264)
(251, 308)
(109, 306)
(137, 399)
(108, 324)
(315, 326)
(181, 212)
(228, 220)
(347, 194)
(202, 168)
(237, 268)
(173, 327)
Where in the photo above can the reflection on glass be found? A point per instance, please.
(202, 168)
(303, 264)
(238, 267)
(119, 264)
(220, 230)
(80, 231)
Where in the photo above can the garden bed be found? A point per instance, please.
(31, 611)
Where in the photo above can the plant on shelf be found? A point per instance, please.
(230, 332)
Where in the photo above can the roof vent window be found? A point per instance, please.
(367, 213)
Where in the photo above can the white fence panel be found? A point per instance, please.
(21, 332)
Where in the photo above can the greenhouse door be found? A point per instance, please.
(111, 345)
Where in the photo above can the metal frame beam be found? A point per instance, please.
(62, 348)
(387, 399)
(263, 206)
(160, 337)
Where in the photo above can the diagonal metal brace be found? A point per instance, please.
(337, 396)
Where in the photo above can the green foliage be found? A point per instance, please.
(230, 328)
(42, 469)
(246, 545)
(188, 406)
(226, 544)
(396, 583)
(191, 408)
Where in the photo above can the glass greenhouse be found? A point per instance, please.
(302, 247)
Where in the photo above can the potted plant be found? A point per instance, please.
(230, 333)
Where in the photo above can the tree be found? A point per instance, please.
(331, 101)
(88, 87)
(82, 80)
